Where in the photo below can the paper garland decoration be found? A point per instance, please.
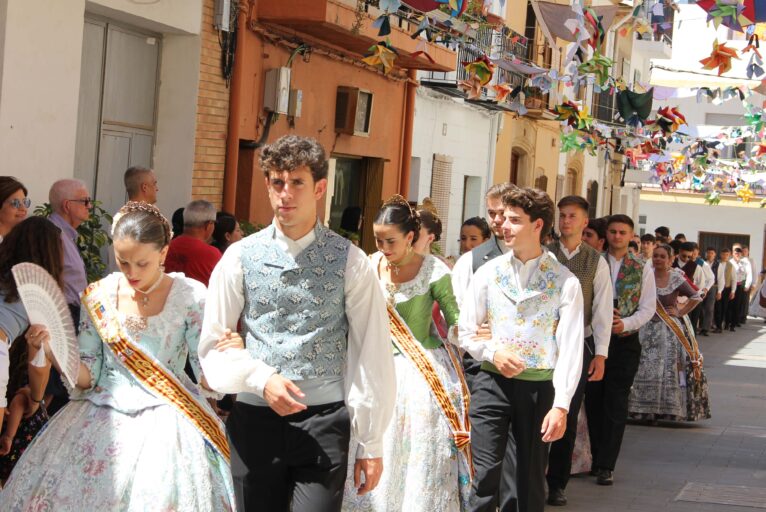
(381, 55)
(720, 58)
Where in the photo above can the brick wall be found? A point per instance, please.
(441, 182)
(212, 116)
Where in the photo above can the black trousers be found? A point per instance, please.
(722, 309)
(735, 306)
(295, 462)
(694, 317)
(708, 309)
(471, 367)
(743, 305)
(560, 457)
(503, 409)
(606, 402)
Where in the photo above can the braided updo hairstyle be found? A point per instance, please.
(143, 223)
(429, 218)
(396, 211)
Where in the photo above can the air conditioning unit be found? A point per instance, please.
(353, 111)
(276, 90)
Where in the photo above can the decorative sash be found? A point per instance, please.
(689, 344)
(405, 341)
(149, 372)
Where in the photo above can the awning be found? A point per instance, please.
(670, 75)
(553, 17)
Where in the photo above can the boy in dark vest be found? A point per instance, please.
(635, 298)
(591, 270)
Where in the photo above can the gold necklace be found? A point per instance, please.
(145, 299)
(395, 268)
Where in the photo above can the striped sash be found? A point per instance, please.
(405, 341)
(689, 344)
(149, 372)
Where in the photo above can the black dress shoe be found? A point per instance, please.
(557, 497)
(717, 331)
(704, 333)
(605, 477)
(731, 329)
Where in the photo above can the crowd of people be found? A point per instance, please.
(395, 381)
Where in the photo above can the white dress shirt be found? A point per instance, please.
(708, 278)
(647, 302)
(370, 381)
(462, 272)
(569, 331)
(699, 278)
(721, 275)
(748, 268)
(603, 300)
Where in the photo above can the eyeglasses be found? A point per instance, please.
(18, 203)
(87, 201)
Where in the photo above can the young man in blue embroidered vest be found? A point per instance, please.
(531, 361)
(591, 270)
(317, 361)
(470, 262)
(606, 401)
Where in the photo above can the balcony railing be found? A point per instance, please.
(605, 107)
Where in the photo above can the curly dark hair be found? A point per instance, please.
(479, 222)
(34, 240)
(535, 203)
(292, 152)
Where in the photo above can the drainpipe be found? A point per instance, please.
(232, 139)
(407, 131)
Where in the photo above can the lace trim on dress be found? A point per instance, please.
(676, 278)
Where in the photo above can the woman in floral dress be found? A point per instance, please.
(138, 434)
(426, 458)
(670, 383)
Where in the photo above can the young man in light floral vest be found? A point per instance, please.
(531, 361)
(635, 297)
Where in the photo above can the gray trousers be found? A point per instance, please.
(708, 308)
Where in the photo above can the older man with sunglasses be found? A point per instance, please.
(71, 205)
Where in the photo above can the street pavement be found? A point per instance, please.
(707, 458)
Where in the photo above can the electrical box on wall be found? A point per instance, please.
(276, 90)
(296, 103)
(353, 111)
(222, 15)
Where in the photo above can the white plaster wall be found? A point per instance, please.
(176, 120)
(39, 91)
(469, 140)
(40, 54)
(164, 16)
(690, 219)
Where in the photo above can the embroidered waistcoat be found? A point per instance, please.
(525, 320)
(628, 286)
(584, 265)
(295, 316)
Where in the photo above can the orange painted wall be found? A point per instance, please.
(319, 79)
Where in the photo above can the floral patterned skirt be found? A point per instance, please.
(93, 457)
(665, 387)
(422, 468)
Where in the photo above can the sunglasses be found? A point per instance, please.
(87, 201)
(18, 203)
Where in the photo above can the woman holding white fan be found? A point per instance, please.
(138, 434)
(34, 240)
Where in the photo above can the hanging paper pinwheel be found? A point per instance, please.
(760, 149)
(382, 55)
(542, 81)
(732, 13)
(669, 120)
(753, 45)
(719, 58)
(744, 193)
(678, 161)
(502, 91)
(569, 142)
(598, 65)
(634, 107)
(472, 87)
(482, 68)
(713, 198)
(597, 29)
(457, 7)
(754, 119)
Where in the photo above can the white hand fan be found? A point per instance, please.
(45, 305)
